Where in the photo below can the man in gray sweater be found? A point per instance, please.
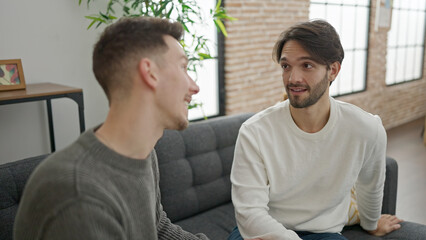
(105, 185)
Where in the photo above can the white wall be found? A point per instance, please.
(50, 37)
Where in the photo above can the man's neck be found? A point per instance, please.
(313, 118)
(128, 133)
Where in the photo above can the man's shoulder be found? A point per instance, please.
(352, 112)
(60, 162)
(65, 172)
(359, 120)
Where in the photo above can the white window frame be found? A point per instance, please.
(351, 20)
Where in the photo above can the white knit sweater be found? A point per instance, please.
(285, 179)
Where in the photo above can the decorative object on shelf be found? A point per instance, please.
(11, 75)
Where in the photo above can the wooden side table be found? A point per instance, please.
(46, 92)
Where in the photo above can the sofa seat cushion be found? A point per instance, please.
(408, 230)
(216, 223)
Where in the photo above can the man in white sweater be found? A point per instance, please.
(296, 162)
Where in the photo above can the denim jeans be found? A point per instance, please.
(235, 235)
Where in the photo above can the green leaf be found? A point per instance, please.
(191, 106)
(186, 7)
(92, 17)
(162, 7)
(104, 15)
(126, 9)
(219, 2)
(230, 18)
(91, 24)
(204, 56)
(220, 26)
(98, 24)
(135, 5)
(223, 15)
(170, 12)
(190, 20)
(185, 27)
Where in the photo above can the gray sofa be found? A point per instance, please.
(194, 179)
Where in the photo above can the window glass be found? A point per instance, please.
(207, 74)
(350, 18)
(405, 49)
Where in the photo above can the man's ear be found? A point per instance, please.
(147, 70)
(334, 71)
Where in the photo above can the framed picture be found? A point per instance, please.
(11, 75)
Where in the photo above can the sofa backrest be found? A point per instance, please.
(194, 170)
(195, 165)
(13, 177)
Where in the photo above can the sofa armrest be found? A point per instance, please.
(391, 185)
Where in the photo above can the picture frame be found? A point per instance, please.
(11, 75)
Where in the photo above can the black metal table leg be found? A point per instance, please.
(51, 130)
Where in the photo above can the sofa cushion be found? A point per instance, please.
(13, 177)
(215, 223)
(408, 230)
(184, 157)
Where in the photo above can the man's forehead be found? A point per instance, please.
(293, 46)
(175, 46)
(295, 51)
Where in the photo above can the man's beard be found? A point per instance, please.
(182, 125)
(314, 95)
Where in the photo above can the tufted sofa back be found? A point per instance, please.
(195, 165)
(13, 177)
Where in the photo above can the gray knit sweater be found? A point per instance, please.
(88, 191)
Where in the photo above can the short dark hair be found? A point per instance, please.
(318, 38)
(124, 43)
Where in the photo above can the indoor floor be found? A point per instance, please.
(405, 145)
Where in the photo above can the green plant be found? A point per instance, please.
(187, 12)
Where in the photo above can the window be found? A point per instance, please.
(209, 74)
(404, 60)
(350, 18)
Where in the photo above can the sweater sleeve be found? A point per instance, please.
(371, 180)
(80, 220)
(250, 192)
(169, 231)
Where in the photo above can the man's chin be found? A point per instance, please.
(182, 125)
(179, 124)
(299, 103)
(295, 102)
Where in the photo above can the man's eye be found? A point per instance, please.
(284, 66)
(307, 65)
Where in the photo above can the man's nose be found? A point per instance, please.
(193, 87)
(295, 76)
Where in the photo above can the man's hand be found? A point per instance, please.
(387, 223)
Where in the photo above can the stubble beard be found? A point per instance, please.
(317, 92)
(182, 124)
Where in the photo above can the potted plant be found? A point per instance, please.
(187, 12)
